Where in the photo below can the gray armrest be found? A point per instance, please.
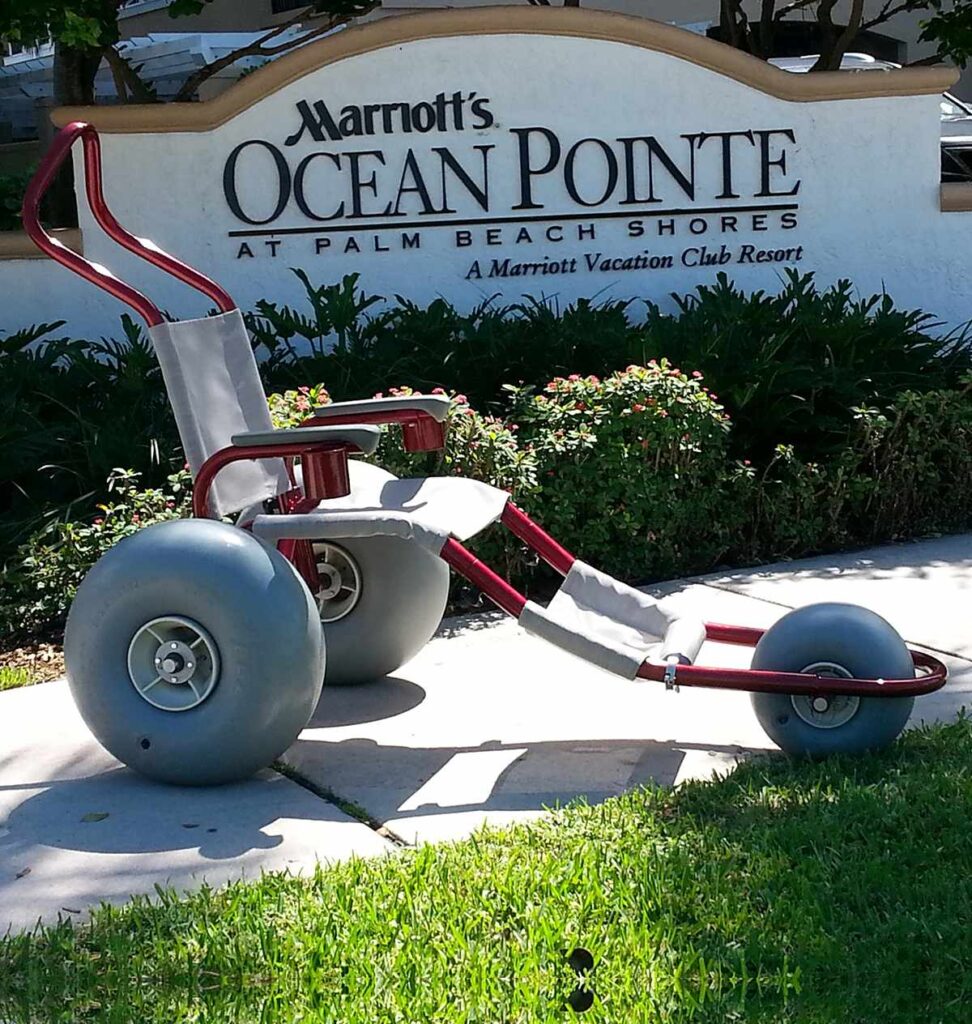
(436, 406)
(363, 437)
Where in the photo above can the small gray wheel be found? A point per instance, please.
(194, 652)
(380, 601)
(837, 641)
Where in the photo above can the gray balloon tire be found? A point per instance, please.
(404, 590)
(855, 638)
(258, 612)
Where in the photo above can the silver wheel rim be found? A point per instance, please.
(826, 712)
(340, 582)
(173, 663)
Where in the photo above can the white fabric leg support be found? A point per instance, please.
(348, 525)
(612, 625)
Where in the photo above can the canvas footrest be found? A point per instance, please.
(612, 625)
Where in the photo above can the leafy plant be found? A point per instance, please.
(791, 367)
(46, 572)
(633, 471)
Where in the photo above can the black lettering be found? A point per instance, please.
(727, 137)
(357, 184)
(283, 182)
(299, 195)
(447, 160)
(351, 123)
(481, 110)
(527, 170)
(766, 165)
(611, 163)
(418, 186)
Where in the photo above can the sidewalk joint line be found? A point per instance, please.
(349, 807)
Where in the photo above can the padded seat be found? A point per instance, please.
(425, 509)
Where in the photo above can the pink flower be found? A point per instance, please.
(637, 407)
(438, 391)
(574, 376)
(644, 443)
(580, 405)
(461, 399)
(304, 390)
(99, 522)
(697, 374)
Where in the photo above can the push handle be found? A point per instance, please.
(141, 247)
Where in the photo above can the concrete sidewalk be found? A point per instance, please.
(486, 724)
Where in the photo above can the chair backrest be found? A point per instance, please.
(215, 391)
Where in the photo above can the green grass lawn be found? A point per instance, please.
(788, 892)
(11, 678)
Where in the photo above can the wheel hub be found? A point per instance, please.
(339, 579)
(173, 663)
(830, 711)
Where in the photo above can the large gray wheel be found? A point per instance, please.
(380, 601)
(837, 640)
(194, 652)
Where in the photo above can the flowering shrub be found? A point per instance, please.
(291, 408)
(633, 469)
(48, 569)
(633, 472)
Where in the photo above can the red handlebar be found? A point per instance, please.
(142, 247)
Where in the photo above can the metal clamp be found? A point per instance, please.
(671, 667)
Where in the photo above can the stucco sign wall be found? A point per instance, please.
(518, 151)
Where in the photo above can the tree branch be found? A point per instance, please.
(127, 80)
(259, 47)
(888, 11)
(796, 5)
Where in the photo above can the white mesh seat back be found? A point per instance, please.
(215, 392)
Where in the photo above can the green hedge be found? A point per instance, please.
(780, 425)
(633, 473)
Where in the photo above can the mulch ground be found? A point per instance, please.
(44, 660)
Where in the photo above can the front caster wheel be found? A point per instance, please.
(837, 641)
(194, 652)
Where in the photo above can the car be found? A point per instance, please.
(956, 115)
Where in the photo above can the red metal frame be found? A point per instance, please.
(143, 248)
(420, 431)
(329, 475)
(325, 464)
(932, 677)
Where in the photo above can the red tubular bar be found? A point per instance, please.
(797, 683)
(512, 602)
(479, 574)
(234, 453)
(742, 636)
(141, 247)
(420, 431)
(537, 539)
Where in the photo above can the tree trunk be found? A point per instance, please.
(74, 78)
